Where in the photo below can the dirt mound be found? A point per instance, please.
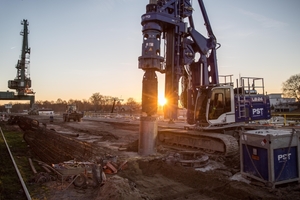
(155, 177)
(118, 188)
(173, 181)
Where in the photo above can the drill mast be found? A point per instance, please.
(167, 20)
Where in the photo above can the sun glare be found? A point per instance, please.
(162, 100)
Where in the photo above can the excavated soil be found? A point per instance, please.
(156, 176)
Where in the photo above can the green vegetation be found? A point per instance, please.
(10, 186)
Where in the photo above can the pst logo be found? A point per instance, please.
(284, 157)
(257, 111)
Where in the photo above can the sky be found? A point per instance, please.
(82, 47)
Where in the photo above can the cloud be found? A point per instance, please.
(110, 5)
(263, 20)
(12, 47)
(244, 33)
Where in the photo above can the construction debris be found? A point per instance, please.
(188, 159)
(51, 146)
(80, 174)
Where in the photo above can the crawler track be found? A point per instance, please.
(210, 142)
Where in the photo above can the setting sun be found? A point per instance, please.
(162, 100)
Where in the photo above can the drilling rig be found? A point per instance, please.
(22, 81)
(170, 45)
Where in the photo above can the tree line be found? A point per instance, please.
(291, 87)
(96, 103)
(102, 103)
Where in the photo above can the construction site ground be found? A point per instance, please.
(155, 177)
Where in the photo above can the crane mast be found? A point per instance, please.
(22, 82)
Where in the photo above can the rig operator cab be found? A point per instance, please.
(226, 106)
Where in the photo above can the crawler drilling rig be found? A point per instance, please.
(211, 106)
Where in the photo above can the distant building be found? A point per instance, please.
(279, 104)
(46, 112)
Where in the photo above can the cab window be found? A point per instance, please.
(220, 103)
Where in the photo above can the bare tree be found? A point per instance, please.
(132, 103)
(85, 105)
(71, 101)
(78, 104)
(96, 100)
(59, 101)
(46, 104)
(291, 87)
(60, 105)
(118, 104)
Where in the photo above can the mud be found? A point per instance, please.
(156, 177)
